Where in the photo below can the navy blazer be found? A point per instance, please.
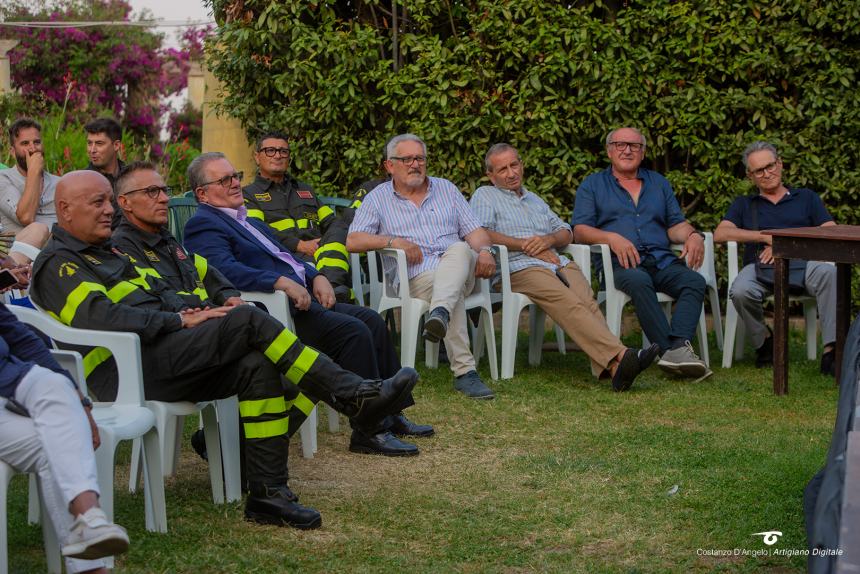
(237, 254)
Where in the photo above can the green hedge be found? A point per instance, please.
(702, 80)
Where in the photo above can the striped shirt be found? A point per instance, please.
(505, 212)
(442, 219)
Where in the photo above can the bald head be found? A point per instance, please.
(83, 202)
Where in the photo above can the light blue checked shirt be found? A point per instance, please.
(505, 212)
(442, 219)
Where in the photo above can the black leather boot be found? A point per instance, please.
(389, 400)
(276, 504)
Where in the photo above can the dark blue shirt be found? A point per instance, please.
(20, 349)
(800, 207)
(601, 202)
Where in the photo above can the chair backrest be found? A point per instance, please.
(388, 294)
(335, 202)
(179, 211)
(125, 348)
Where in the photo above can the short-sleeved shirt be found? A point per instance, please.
(506, 212)
(603, 203)
(800, 207)
(12, 188)
(442, 219)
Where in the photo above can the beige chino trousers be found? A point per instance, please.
(448, 286)
(574, 308)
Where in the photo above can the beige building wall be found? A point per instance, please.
(5, 69)
(225, 134)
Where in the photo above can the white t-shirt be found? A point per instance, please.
(12, 188)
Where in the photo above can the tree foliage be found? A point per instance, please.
(701, 79)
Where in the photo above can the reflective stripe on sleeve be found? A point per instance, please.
(256, 214)
(266, 429)
(301, 366)
(332, 262)
(333, 246)
(275, 405)
(283, 224)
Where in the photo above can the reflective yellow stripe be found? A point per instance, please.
(303, 363)
(267, 429)
(280, 345)
(332, 262)
(145, 271)
(201, 294)
(356, 204)
(333, 246)
(304, 404)
(201, 265)
(323, 212)
(119, 291)
(95, 358)
(283, 224)
(76, 297)
(259, 407)
(256, 214)
(303, 223)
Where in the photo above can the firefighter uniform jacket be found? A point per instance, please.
(294, 213)
(189, 274)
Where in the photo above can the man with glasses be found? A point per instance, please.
(250, 257)
(195, 348)
(635, 212)
(290, 207)
(446, 248)
(776, 206)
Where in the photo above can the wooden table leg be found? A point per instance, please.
(843, 311)
(780, 326)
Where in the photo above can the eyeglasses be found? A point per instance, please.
(410, 159)
(273, 151)
(153, 191)
(227, 180)
(770, 168)
(621, 146)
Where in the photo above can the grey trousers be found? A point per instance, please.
(747, 295)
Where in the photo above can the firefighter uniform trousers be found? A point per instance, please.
(245, 353)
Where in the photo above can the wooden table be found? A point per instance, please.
(837, 243)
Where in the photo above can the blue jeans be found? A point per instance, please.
(677, 280)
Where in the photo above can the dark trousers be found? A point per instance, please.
(356, 338)
(686, 286)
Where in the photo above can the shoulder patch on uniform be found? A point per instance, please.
(151, 256)
(68, 269)
(263, 196)
(91, 259)
(305, 194)
(180, 254)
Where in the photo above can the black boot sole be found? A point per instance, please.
(361, 449)
(262, 518)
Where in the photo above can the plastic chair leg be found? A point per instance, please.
(408, 336)
(704, 351)
(153, 476)
(308, 434)
(537, 322)
(52, 545)
(559, 337)
(716, 315)
(730, 334)
(510, 321)
(34, 510)
(213, 451)
(228, 428)
(333, 419)
(5, 476)
(485, 324)
(810, 315)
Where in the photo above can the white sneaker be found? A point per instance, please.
(683, 361)
(93, 536)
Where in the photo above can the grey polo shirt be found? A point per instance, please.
(11, 190)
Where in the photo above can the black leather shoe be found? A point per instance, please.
(764, 354)
(276, 504)
(828, 363)
(198, 443)
(401, 426)
(628, 369)
(383, 443)
(392, 393)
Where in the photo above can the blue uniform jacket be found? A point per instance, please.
(236, 253)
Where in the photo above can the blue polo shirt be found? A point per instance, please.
(800, 207)
(601, 202)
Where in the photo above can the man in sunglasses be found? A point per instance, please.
(635, 212)
(195, 348)
(251, 258)
(776, 206)
(295, 214)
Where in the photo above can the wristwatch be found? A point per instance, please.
(86, 403)
(489, 249)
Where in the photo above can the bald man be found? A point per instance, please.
(194, 352)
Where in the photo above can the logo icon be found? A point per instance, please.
(770, 537)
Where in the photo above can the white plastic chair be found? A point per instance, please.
(413, 309)
(708, 270)
(513, 303)
(124, 419)
(733, 345)
(278, 307)
(615, 299)
(52, 545)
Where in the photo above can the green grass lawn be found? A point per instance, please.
(558, 474)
